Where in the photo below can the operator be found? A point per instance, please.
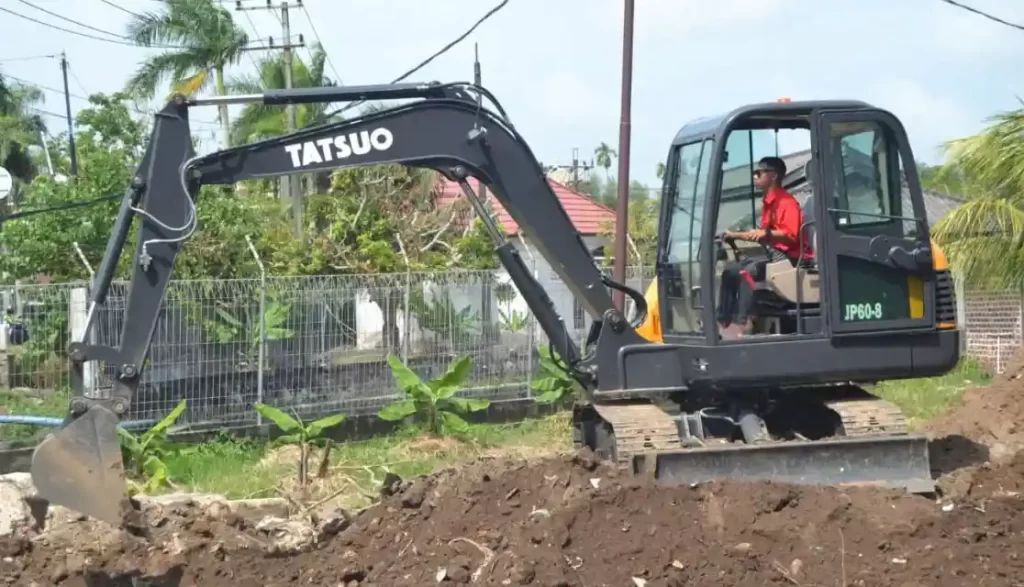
(781, 219)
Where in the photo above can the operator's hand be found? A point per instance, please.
(746, 235)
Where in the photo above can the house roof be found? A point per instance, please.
(586, 215)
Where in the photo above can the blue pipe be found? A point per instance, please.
(54, 422)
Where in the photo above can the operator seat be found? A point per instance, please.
(800, 284)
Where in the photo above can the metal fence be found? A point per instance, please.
(315, 345)
(320, 344)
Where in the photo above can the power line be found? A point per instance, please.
(984, 14)
(337, 76)
(73, 21)
(437, 54)
(118, 41)
(65, 206)
(86, 99)
(121, 8)
(29, 58)
(73, 32)
(47, 112)
(78, 82)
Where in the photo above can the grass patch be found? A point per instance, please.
(23, 403)
(923, 399)
(228, 466)
(248, 468)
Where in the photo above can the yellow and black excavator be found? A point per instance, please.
(665, 394)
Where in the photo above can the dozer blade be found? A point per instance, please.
(899, 462)
(80, 467)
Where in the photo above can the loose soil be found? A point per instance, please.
(568, 520)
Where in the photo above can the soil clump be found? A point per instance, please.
(565, 520)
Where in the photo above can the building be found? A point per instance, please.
(590, 219)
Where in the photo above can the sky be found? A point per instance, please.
(555, 65)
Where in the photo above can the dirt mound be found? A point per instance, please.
(989, 417)
(561, 521)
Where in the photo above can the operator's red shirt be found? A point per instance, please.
(782, 212)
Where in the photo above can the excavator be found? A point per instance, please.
(664, 394)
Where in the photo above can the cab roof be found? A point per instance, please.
(774, 112)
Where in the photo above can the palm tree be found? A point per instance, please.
(603, 157)
(257, 121)
(984, 236)
(208, 39)
(19, 128)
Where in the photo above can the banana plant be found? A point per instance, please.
(555, 386)
(433, 401)
(144, 454)
(299, 433)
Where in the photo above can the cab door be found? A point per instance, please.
(875, 260)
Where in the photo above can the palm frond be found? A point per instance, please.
(193, 84)
(984, 239)
(996, 155)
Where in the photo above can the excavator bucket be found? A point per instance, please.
(898, 462)
(80, 466)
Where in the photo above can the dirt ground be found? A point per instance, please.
(569, 521)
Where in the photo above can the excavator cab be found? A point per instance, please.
(874, 267)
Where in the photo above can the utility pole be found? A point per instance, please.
(576, 166)
(291, 190)
(476, 80)
(71, 123)
(622, 209)
(292, 184)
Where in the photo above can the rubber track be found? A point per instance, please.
(869, 417)
(639, 427)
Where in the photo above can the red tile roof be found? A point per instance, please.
(586, 215)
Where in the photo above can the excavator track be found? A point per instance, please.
(872, 445)
(869, 417)
(639, 427)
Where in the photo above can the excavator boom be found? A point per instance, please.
(448, 129)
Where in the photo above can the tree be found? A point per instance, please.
(258, 121)
(209, 41)
(110, 144)
(984, 236)
(19, 128)
(603, 156)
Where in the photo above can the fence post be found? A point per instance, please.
(79, 319)
(262, 342)
(531, 340)
(406, 330)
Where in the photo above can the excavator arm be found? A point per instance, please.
(446, 129)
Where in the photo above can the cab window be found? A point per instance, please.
(683, 250)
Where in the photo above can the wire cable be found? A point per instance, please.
(66, 206)
(984, 14)
(78, 82)
(59, 91)
(47, 112)
(30, 58)
(330, 63)
(437, 54)
(121, 8)
(120, 40)
(81, 34)
(73, 21)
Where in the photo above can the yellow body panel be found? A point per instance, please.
(651, 327)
